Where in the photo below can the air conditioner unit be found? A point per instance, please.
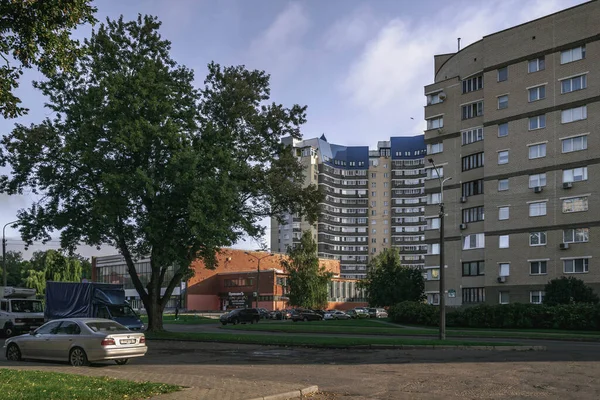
(538, 189)
(564, 246)
(501, 279)
(442, 96)
(463, 199)
(463, 227)
(567, 185)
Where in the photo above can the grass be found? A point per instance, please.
(310, 341)
(184, 319)
(38, 385)
(340, 327)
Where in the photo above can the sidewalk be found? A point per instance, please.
(197, 387)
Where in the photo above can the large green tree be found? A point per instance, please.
(135, 157)
(36, 33)
(308, 282)
(388, 282)
(568, 290)
(14, 264)
(51, 265)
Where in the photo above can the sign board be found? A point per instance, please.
(237, 299)
(451, 293)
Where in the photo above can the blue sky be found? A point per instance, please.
(360, 66)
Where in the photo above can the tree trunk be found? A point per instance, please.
(155, 313)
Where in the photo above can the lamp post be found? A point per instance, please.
(4, 274)
(258, 269)
(442, 266)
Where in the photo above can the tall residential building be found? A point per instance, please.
(514, 120)
(374, 199)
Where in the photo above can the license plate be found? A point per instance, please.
(127, 341)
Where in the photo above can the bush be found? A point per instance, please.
(509, 316)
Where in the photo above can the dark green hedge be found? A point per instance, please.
(516, 316)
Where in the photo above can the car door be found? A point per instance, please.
(66, 334)
(39, 345)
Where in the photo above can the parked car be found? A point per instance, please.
(305, 315)
(264, 314)
(361, 312)
(241, 315)
(320, 312)
(336, 315)
(79, 341)
(381, 313)
(352, 313)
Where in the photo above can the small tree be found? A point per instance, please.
(51, 266)
(388, 282)
(569, 290)
(307, 281)
(14, 264)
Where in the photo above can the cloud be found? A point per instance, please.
(352, 30)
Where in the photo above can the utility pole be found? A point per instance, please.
(258, 271)
(442, 261)
(4, 273)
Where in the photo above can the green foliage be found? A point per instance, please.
(37, 33)
(509, 316)
(14, 263)
(388, 282)
(308, 283)
(569, 290)
(137, 158)
(51, 266)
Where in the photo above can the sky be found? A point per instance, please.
(359, 66)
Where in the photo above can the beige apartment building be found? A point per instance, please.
(374, 199)
(514, 120)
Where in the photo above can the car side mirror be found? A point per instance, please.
(32, 331)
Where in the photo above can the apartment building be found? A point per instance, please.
(374, 199)
(514, 120)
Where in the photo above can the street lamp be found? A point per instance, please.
(442, 288)
(258, 274)
(4, 274)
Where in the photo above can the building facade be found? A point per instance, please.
(374, 199)
(514, 120)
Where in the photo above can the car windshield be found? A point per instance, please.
(105, 326)
(26, 306)
(121, 311)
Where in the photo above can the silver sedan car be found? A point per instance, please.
(79, 341)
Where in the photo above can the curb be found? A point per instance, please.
(290, 395)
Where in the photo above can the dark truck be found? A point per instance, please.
(90, 300)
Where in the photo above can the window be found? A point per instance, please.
(504, 269)
(433, 223)
(435, 148)
(573, 114)
(473, 268)
(503, 157)
(503, 130)
(502, 102)
(537, 180)
(69, 328)
(472, 110)
(503, 241)
(503, 297)
(434, 173)
(503, 213)
(537, 296)
(373, 212)
(536, 65)
(435, 123)
(537, 209)
(433, 98)
(537, 122)
(575, 174)
(434, 198)
(502, 184)
(575, 266)
(537, 93)
(502, 74)
(373, 203)
(575, 204)
(433, 248)
(573, 84)
(472, 161)
(537, 238)
(433, 298)
(578, 235)
(433, 274)
(373, 194)
(373, 184)
(538, 267)
(473, 295)
(374, 230)
(373, 240)
(472, 136)
(48, 329)
(537, 151)
(567, 56)
(373, 174)
(472, 188)
(472, 84)
(576, 143)
(474, 241)
(472, 214)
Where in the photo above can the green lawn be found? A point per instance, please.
(310, 341)
(184, 319)
(39, 385)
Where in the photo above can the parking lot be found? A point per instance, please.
(566, 370)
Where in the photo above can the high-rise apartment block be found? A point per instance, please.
(514, 119)
(374, 199)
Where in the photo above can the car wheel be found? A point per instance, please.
(78, 358)
(8, 331)
(122, 361)
(305, 319)
(224, 323)
(236, 321)
(13, 353)
(252, 321)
